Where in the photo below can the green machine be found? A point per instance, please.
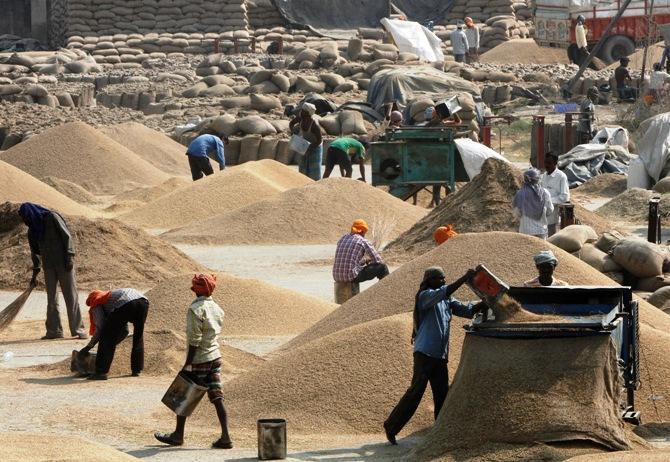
(409, 159)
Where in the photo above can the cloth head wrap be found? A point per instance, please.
(95, 299)
(530, 198)
(309, 108)
(546, 256)
(433, 272)
(468, 21)
(359, 226)
(396, 116)
(203, 284)
(33, 215)
(443, 234)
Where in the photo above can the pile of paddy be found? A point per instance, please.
(524, 51)
(233, 188)
(605, 185)
(71, 190)
(108, 254)
(43, 447)
(632, 206)
(483, 204)
(79, 153)
(158, 149)
(146, 195)
(344, 374)
(318, 213)
(18, 186)
(252, 308)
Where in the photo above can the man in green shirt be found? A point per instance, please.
(345, 152)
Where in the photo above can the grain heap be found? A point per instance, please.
(71, 190)
(18, 186)
(318, 213)
(233, 188)
(108, 254)
(252, 307)
(483, 204)
(632, 206)
(605, 185)
(657, 455)
(15, 447)
(525, 51)
(145, 195)
(527, 407)
(156, 148)
(82, 155)
(395, 294)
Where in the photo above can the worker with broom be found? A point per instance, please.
(110, 312)
(434, 308)
(203, 360)
(52, 250)
(356, 259)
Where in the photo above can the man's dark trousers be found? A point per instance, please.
(200, 166)
(115, 330)
(426, 369)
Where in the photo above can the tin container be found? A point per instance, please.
(84, 365)
(183, 395)
(487, 286)
(271, 439)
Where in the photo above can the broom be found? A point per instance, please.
(8, 314)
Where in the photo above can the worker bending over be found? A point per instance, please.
(52, 249)
(203, 360)
(200, 150)
(532, 204)
(546, 263)
(110, 313)
(345, 152)
(556, 182)
(356, 259)
(433, 309)
(305, 126)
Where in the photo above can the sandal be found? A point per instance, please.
(167, 439)
(221, 444)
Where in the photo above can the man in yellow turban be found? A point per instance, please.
(356, 259)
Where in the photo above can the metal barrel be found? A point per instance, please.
(271, 439)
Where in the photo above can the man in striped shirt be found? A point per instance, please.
(356, 259)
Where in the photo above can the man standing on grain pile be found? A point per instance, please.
(52, 249)
(356, 259)
(198, 153)
(433, 309)
(203, 360)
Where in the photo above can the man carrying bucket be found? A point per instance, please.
(203, 361)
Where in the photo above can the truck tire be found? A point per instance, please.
(617, 47)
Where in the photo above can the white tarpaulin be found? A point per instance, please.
(412, 37)
(474, 154)
(654, 144)
(617, 136)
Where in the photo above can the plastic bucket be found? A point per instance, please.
(183, 395)
(271, 439)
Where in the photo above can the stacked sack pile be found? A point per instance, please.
(263, 13)
(417, 111)
(626, 259)
(498, 20)
(109, 17)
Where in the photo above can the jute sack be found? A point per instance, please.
(249, 148)
(232, 151)
(351, 122)
(663, 185)
(224, 125)
(573, 237)
(598, 259)
(331, 125)
(263, 103)
(653, 283)
(267, 149)
(255, 125)
(660, 297)
(609, 240)
(639, 257)
(284, 154)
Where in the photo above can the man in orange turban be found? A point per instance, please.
(443, 234)
(356, 259)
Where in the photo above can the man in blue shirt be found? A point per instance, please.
(433, 309)
(198, 153)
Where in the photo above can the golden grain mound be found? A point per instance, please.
(108, 254)
(18, 186)
(524, 51)
(30, 447)
(158, 149)
(71, 190)
(319, 213)
(233, 188)
(79, 153)
(252, 307)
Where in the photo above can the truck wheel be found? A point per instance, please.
(617, 47)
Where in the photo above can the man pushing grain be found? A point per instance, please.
(433, 309)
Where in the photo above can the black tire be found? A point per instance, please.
(617, 47)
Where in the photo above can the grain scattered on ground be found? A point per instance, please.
(319, 213)
(79, 153)
(44, 447)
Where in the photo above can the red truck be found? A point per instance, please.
(555, 22)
